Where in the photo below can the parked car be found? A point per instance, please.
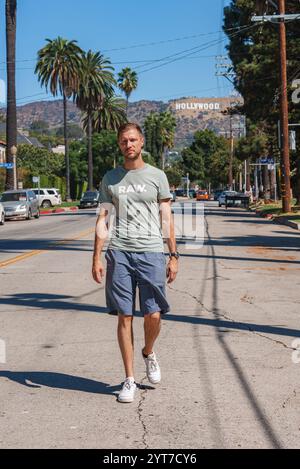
(180, 193)
(192, 193)
(2, 215)
(202, 195)
(89, 199)
(217, 194)
(20, 204)
(47, 197)
(221, 198)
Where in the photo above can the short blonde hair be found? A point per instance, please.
(129, 125)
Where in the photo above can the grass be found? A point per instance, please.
(272, 208)
(75, 203)
(276, 211)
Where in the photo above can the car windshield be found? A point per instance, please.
(14, 197)
(88, 195)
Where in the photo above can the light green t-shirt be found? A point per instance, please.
(135, 195)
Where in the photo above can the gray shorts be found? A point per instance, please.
(127, 270)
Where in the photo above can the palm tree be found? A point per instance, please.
(159, 132)
(167, 126)
(110, 116)
(58, 68)
(127, 82)
(11, 118)
(96, 83)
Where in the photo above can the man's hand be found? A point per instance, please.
(172, 269)
(98, 271)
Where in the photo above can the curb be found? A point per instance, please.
(290, 223)
(277, 220)
(59, 210)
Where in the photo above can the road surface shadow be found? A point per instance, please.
(50, 301)
(233, 325)
(70, 214)
(39, 379)
(58, 302)
(262, 241)
(20, 246)
(243, 259)
(259, 412)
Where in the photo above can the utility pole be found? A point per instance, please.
(224, 69)
(230, 177)
(284, 119)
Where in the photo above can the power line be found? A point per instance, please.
(185, 92)
(144, 44)
(145, 61)
(196, 49)
(171, 40)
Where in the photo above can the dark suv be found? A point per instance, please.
(89, 199)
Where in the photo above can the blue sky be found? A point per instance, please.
(108, 25)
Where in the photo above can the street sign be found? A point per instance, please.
(35, 179)
(7, 165)
(266, 160)
(293, 140)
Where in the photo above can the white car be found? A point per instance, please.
(222, 196)
(2, 215)
(48, 197)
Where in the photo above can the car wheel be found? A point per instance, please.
(2, 221)
(46, 204)
(37, 215)
(29, 215)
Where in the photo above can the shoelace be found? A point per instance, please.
(153, 365)
(128, 385)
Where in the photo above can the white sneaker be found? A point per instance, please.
(152, 368)
(127, 392)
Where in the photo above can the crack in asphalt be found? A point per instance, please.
(259, 334)
(289, 399)
(140, 412)
(192, 296)
(220, 315)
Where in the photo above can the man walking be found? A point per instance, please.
(140, 196)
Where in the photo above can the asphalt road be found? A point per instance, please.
(24, 236)
(230, 377)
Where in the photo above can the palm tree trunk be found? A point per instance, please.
(67, 160)
(127, 103)
(248, 179)
(90, 153)
(11, 118)
(163, 159)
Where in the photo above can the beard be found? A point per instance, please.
(132, 157)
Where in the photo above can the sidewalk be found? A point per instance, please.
(274, 214)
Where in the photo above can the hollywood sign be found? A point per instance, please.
(197, 106)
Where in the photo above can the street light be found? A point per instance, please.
(13, 152)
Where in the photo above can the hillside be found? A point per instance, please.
(192, 114)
